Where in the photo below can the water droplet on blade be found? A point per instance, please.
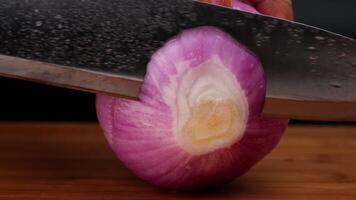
(266, 38)
(58, 17)
(311, 48)
(38, 23)
(319, 38)
(331, 40)
(335, 84)
(313, 57)
(341, 55)
(240, 23)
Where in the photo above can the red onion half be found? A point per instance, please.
(197, 123)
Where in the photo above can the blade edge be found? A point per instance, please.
(70, 77)
(336, 111)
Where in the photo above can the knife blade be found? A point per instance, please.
(104, 46)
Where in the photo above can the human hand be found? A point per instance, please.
(277, 8)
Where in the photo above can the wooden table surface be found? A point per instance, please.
(73, 161)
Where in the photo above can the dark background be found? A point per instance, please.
(22, 100)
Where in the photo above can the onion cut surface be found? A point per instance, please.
(197, 123)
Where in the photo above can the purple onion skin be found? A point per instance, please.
(142, 133)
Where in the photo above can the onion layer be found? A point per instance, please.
(198, 122)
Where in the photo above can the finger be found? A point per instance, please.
(227, 3)
(277, 8)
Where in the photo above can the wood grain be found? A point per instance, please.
(73, 161)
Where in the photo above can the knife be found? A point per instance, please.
(103, 46)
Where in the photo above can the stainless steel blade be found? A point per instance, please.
(117, 37)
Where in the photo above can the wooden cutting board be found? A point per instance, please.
(73, 161)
